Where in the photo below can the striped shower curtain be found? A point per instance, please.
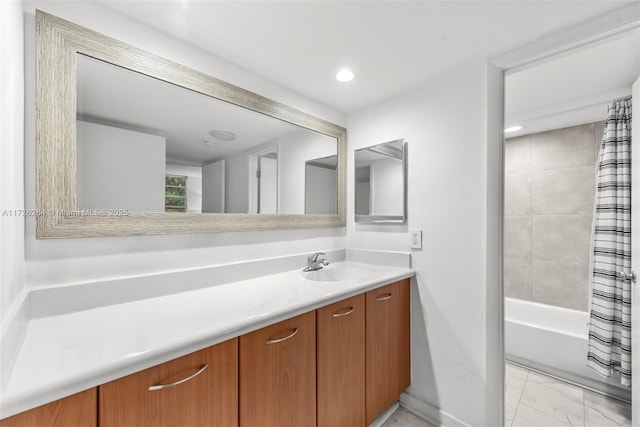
(610, 311)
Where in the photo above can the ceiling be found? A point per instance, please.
(573, 89)
(392, 46)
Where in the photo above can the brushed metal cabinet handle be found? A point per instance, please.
(277, 340)
(344, 312)
(184, 380)
(384, 297)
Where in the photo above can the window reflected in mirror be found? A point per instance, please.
(175, 194)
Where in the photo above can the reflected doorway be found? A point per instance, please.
(265, 181)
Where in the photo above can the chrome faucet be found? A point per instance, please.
(315, 262)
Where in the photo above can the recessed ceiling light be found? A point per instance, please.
(344, 75)
(208, 143)
(512, 129)
(222, 135)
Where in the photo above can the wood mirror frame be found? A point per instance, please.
(57, 44)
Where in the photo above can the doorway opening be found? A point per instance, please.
(264, 181)
(555, 112)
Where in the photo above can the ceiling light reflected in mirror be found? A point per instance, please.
(222, 135)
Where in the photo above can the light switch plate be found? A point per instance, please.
(415, 237)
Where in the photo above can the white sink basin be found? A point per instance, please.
(335, 274)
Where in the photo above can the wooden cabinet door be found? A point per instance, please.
(206, 399)
(340, 375)
(278, 374)
(388, 346)
(78, 410)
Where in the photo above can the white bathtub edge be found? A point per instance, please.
(553, 340)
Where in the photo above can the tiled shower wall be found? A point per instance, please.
(549, 192)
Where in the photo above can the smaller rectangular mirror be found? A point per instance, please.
(380, 183)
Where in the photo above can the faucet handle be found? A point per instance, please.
(314, 257)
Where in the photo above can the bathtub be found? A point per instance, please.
(554, 340)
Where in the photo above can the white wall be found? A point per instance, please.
(293, 152)
(11, 154)
(213, 187)
(386, 176)
(58, 261)
(363, 190)
(453, 368)
(321, 189)
(237, 183)
(119, 169)
(194, 184)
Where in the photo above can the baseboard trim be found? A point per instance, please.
(382, 418)
(430, 413)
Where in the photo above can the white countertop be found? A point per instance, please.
(67, 353)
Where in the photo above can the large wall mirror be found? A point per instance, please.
(129, 143)
(380, 183)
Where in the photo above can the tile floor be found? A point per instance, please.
(535, 400)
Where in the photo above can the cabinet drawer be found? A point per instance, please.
(199, 389)
(341, 387)
(78, 410)
(278, 374)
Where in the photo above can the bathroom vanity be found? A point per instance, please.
(248, 343)
(325, 353)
